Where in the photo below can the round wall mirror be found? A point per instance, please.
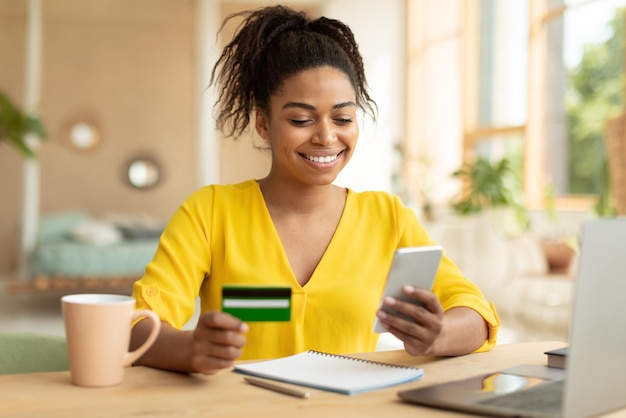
(143, 173)
(83, 136)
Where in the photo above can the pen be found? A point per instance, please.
(277, 388)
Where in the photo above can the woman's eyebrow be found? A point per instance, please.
(344, 104)
(311, 107)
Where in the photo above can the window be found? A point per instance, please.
(574, 53)
(540, 80)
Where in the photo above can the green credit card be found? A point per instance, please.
(252, 303)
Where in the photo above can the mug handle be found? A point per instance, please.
(132, 356)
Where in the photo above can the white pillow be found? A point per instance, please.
(96, 233)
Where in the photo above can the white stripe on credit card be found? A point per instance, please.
(257, 303)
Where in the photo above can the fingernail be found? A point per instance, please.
(408, 288)
(382, 314)
(390, 301)
(244, 327)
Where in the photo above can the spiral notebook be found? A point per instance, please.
(331, 372)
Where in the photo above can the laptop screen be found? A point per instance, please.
(595, 375)
(596, 364)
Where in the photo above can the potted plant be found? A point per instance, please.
(15, 128)
(491, 185)
(492, 219)
(15, 125)
(559, 249)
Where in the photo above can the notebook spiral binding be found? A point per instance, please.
(380, 363)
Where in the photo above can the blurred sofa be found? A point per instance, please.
(75, 245)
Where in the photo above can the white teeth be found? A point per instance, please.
(327, 159)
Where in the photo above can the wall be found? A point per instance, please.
(130, 66)
(139, 69)
(379, 29)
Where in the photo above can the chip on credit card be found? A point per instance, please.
(253, 303)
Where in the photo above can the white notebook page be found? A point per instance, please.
(331, 372)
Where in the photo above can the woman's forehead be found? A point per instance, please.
(320, 81)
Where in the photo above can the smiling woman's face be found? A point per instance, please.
(312, 126)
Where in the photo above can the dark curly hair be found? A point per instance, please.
(272, 44)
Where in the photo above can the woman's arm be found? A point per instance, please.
(215, 344)
(463, 332)
(458, 331)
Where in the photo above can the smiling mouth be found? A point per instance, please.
(322, 159)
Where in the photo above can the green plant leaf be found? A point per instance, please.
(15, 125)
(489, 185)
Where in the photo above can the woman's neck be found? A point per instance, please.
(283, 197)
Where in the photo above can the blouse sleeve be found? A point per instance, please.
(172, 279)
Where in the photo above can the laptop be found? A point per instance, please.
(594, 380)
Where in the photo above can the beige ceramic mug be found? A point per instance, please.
(97, 328)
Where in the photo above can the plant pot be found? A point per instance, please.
(559, 255)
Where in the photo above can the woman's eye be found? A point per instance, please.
(343, 121)
(300, 122)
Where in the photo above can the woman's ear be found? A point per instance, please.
(261, 125)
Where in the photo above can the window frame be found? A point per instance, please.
(533, 131)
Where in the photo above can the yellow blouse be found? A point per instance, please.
(224, 235)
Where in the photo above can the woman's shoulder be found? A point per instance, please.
(375, 197)
(378, 203)
(224, 189)
(212, 193)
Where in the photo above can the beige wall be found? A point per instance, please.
(128, 65)
(132, 66)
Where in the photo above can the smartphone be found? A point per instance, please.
(415, 266)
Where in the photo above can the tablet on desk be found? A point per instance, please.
(415, 266)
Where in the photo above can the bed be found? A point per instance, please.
(75, 250)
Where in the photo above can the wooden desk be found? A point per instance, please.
(147, 392)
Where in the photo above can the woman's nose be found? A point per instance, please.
(325, 135)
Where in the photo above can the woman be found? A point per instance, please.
(303, 79)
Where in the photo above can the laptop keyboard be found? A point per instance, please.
(546, 398)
